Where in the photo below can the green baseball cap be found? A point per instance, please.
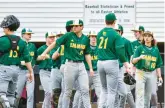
(110, 17)
(92, 33)
(138, 28)
(77, 22)
(26, 30)
(121, 28)
(50, 34)
(68, 23)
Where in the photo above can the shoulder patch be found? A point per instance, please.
(104, 33)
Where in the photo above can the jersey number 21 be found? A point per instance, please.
(103, 43)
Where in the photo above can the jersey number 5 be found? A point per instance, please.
(103, 42)
(13, 54)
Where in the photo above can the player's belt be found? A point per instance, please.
(146, 70)
(75, 61)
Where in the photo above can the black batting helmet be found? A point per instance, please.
(10, 22)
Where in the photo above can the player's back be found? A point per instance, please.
(106, 42)
(12, 57)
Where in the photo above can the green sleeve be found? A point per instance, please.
(159, 61)
(137, 53)
(129, 49)
(87, 49)
(35, 53)
(119, 46)
(52, 52)
(62, 40)
(39, 51)
(25, 54)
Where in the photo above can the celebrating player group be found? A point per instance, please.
(71, 63)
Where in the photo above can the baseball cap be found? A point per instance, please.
(26, 30)
(110, 17)
(77, 22)
(50, 34)
(148, 33)
(138, 28)
(68, 23)
(121, 28)
(117, 27)
(92, 33)
(60, 33)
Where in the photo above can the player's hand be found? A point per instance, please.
(43, 56)
(30, 76)
(129, 70)
(128, 67)
(23, 63)
(47, 56)
(91, 72)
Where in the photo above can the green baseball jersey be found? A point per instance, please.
(110, 45)
(94, 58)
(128, 50)
(152, 59)
(135, 44)
(13, 57)
(47, 63)
(33, 54)
(75, 47)
(62, 57)
(57, 63)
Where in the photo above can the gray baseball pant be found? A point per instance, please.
(22, 81)
(143, 88)
(8, 82)
(108, 71)
(93, 80)
(45, 81)
(56, 82)
(154, 99)
(62, 86)
(76, 71)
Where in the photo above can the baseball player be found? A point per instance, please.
(56, 75)
(12, 48)
(128, 54)
(138, 31)
(22, 78)
(110, 49)
(147, 59)
(45, 66)
(77, 47)
(59, 55)
(95, 79)
(69, 28)
(155, 85)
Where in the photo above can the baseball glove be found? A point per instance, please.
(128, 79)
